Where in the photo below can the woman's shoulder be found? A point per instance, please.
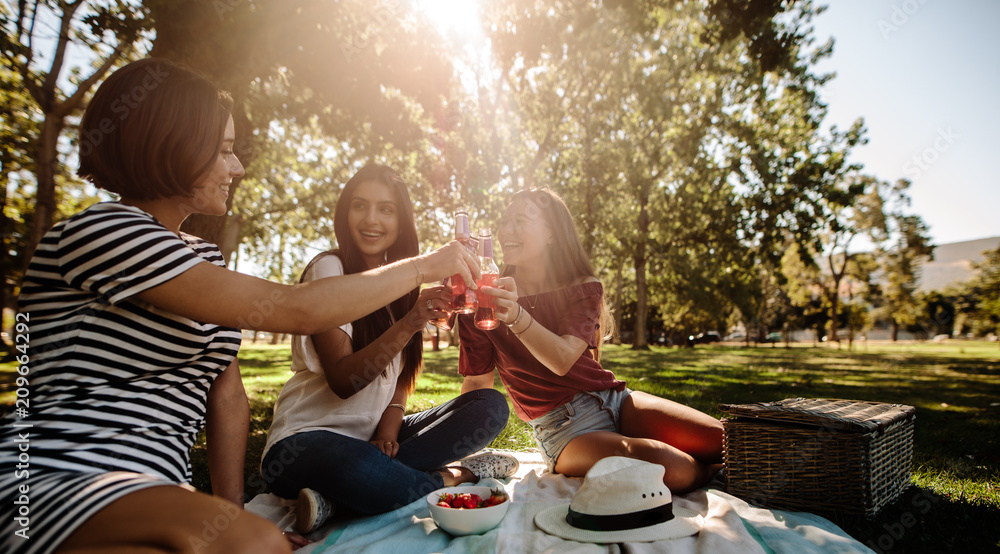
(109, 220)
(327, 264)
(108, 212)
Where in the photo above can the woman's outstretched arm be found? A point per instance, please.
(212, 294)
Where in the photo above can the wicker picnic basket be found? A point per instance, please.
(818, 455)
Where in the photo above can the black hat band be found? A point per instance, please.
(620, 522)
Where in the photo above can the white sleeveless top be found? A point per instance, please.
(306, 402)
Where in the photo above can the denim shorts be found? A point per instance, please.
(585, 413)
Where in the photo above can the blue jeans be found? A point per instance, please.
(357, 476)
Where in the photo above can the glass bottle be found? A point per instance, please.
(486, 314)
(463, 299)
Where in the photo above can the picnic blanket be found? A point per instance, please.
(730, 525)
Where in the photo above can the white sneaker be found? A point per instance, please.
(311, 511)
(490, 465)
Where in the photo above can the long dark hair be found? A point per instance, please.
(567, 258)
(370, 327)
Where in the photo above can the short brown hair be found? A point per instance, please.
(152, 129)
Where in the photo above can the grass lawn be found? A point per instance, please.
(952, 505)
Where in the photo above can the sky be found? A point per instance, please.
(925, 76)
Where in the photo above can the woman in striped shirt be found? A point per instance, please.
(134, 330)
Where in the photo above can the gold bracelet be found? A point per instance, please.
(400, 406)
(520, 312)
(530, 321)
(420, 274)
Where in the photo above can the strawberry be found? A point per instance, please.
(472, 501)
(469, 501)
(497, 496)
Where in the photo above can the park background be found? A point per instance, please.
(719, 179)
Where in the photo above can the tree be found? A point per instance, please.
(17, 111)
(110, 32)
(936, 311)
(900, 264)
(985, 288)
(369, 72)
(803, 275)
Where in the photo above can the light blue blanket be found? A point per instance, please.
(730, 526)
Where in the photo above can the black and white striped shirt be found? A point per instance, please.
(114, 384)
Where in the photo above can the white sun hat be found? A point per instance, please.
(621, 500)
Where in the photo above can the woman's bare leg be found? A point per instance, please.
(173, 519)
(685, 428)
(682, 472)
(686, 442)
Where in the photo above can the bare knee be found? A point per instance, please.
(681, 472)
(714, 439)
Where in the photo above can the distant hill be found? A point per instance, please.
(953, 263)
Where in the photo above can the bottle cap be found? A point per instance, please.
(486, 243)
(462, 225)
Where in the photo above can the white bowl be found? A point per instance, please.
(466, 522)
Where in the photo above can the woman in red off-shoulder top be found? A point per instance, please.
(547, 357)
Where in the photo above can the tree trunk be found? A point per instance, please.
(46, 166)
(639, 342)
(616, 306)
(895, 330)
(834, 309)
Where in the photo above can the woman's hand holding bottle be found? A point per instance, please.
(451, 259)
(505, 291)
(433, 303)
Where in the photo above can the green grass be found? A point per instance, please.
(952, 505)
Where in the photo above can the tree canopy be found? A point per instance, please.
(688, 137)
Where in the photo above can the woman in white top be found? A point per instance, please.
(339, 431)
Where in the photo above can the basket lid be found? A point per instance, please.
(848, 415)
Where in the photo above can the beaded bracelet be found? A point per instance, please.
(520, 312)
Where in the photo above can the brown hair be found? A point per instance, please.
(152, 130)
(568, 260)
